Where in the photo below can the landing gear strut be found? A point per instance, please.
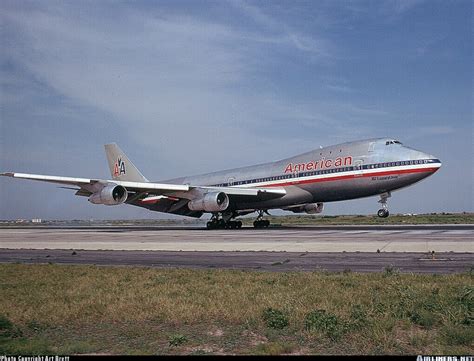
(218, 222)
(260, 222)
(383, 212)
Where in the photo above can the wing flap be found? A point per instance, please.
(237, 191)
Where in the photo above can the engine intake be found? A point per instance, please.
(210, 202)
(110, 195)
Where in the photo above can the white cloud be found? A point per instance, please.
(282, 33)
(168, 80)
(437, 130)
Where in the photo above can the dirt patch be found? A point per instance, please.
(255, 339)
(216, 333)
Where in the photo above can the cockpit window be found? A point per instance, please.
(388, 142)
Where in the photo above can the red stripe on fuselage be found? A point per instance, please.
(352, 176)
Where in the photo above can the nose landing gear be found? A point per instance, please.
(383, 212)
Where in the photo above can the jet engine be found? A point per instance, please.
(210, 202)
(310, 208)
(110, 195)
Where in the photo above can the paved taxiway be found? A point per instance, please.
(266, 261)
(332, 248)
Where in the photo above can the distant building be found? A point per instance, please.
(36, 220)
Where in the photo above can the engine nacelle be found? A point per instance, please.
(110, 195)
(210, 202)
(310, 208)
(313, 208)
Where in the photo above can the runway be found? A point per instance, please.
(331, 248)
(450, 238)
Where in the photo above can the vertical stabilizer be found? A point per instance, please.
(121, 168)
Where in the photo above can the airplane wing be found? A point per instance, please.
(128, 185)
(89, 184)
(182, 190)
(163, 197)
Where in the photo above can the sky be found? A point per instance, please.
(188, 87)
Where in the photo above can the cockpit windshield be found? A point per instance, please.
(388, 142)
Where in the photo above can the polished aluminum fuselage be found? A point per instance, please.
(335, 173)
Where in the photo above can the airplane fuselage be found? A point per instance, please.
(335, 173)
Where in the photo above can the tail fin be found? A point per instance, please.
(120, 166)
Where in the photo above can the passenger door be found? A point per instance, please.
(358, 167)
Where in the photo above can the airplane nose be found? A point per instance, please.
(433, 161)
(429, 161)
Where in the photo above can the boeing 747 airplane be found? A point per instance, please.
(300, 184)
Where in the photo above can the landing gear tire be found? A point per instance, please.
(215, 223)
(263, 223)
(221, 224)
(233, 225)
(383, 213)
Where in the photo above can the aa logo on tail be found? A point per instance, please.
(119, 167)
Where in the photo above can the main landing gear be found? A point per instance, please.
(217, 222)
(260, 222)
(383, 212)
(224, 221)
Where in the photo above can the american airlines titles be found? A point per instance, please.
(318, 164)
(119, 167)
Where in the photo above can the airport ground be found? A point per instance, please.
(71, 309)
(174, 289)
(408, 248)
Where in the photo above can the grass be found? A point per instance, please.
(274, 318)
(125, 310)
(433, 218)
(287, 220)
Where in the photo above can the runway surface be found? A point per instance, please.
(449, 238)
(331, 248)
